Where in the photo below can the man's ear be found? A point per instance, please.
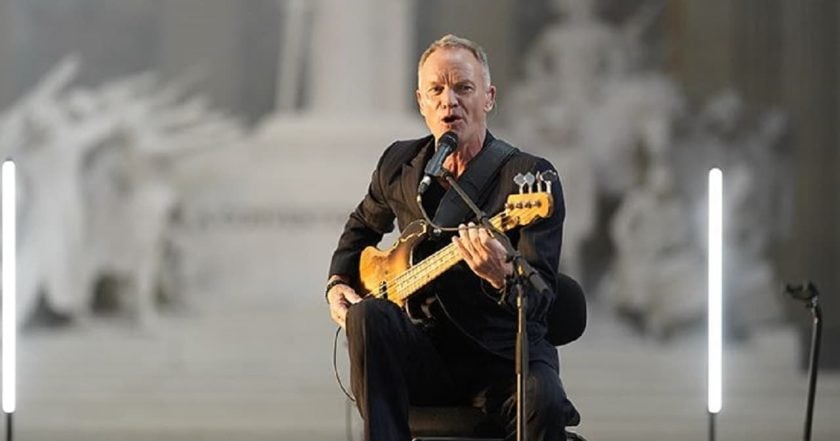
(491, 98)
(419, 102)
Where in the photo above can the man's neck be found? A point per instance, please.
(458, 161)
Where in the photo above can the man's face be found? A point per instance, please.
(453, 94)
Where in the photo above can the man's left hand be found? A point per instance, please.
(483, 253)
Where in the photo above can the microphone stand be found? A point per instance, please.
(522, 272)
(809, 295)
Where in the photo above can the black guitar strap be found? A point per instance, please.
(475, 182)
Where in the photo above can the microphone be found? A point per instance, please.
(804, 291)
(447, 143)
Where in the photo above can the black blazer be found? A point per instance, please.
(392, 195)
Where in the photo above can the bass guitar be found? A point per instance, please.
(391, 274)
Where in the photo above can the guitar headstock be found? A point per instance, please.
(534, 200)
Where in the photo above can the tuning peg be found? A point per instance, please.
(529, 180)
(546, 177)
(519, 180)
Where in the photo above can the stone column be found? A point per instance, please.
(359, 57)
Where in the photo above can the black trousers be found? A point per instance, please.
(395, 364)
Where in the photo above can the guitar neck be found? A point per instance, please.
(419, 275)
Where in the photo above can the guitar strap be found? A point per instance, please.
(475, 182)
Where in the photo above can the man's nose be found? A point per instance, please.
(450, 98)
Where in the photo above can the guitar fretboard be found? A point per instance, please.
(419, 275)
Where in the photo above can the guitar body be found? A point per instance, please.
(378, 268)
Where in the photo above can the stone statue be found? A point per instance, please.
(563, 75)
(37, 134)
(657, 279)
(585, 104)
(749, 147)
(634, 164)
(97, 189)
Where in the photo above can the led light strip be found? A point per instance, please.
(9, 286)
(715, 400)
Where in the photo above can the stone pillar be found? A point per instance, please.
(359, 57)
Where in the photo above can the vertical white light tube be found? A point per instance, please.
(715, 400)
(9, 286)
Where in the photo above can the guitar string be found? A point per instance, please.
(404, 284)
(411, 282)
(404, 280)
(408, 282)
(414, 279)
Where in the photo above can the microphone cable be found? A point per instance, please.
(437, 228)
(335, 366)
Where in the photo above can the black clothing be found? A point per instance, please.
(469, 346)
(395, 364)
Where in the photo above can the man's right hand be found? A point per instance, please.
(340, 297)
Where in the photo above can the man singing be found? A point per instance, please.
(462, 351)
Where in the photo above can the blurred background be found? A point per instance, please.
(186, 167)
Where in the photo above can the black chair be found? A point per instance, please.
(458, 423)
(466, 423)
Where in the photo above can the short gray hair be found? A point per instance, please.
(450, 41)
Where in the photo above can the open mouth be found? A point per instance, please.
(449, 119)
